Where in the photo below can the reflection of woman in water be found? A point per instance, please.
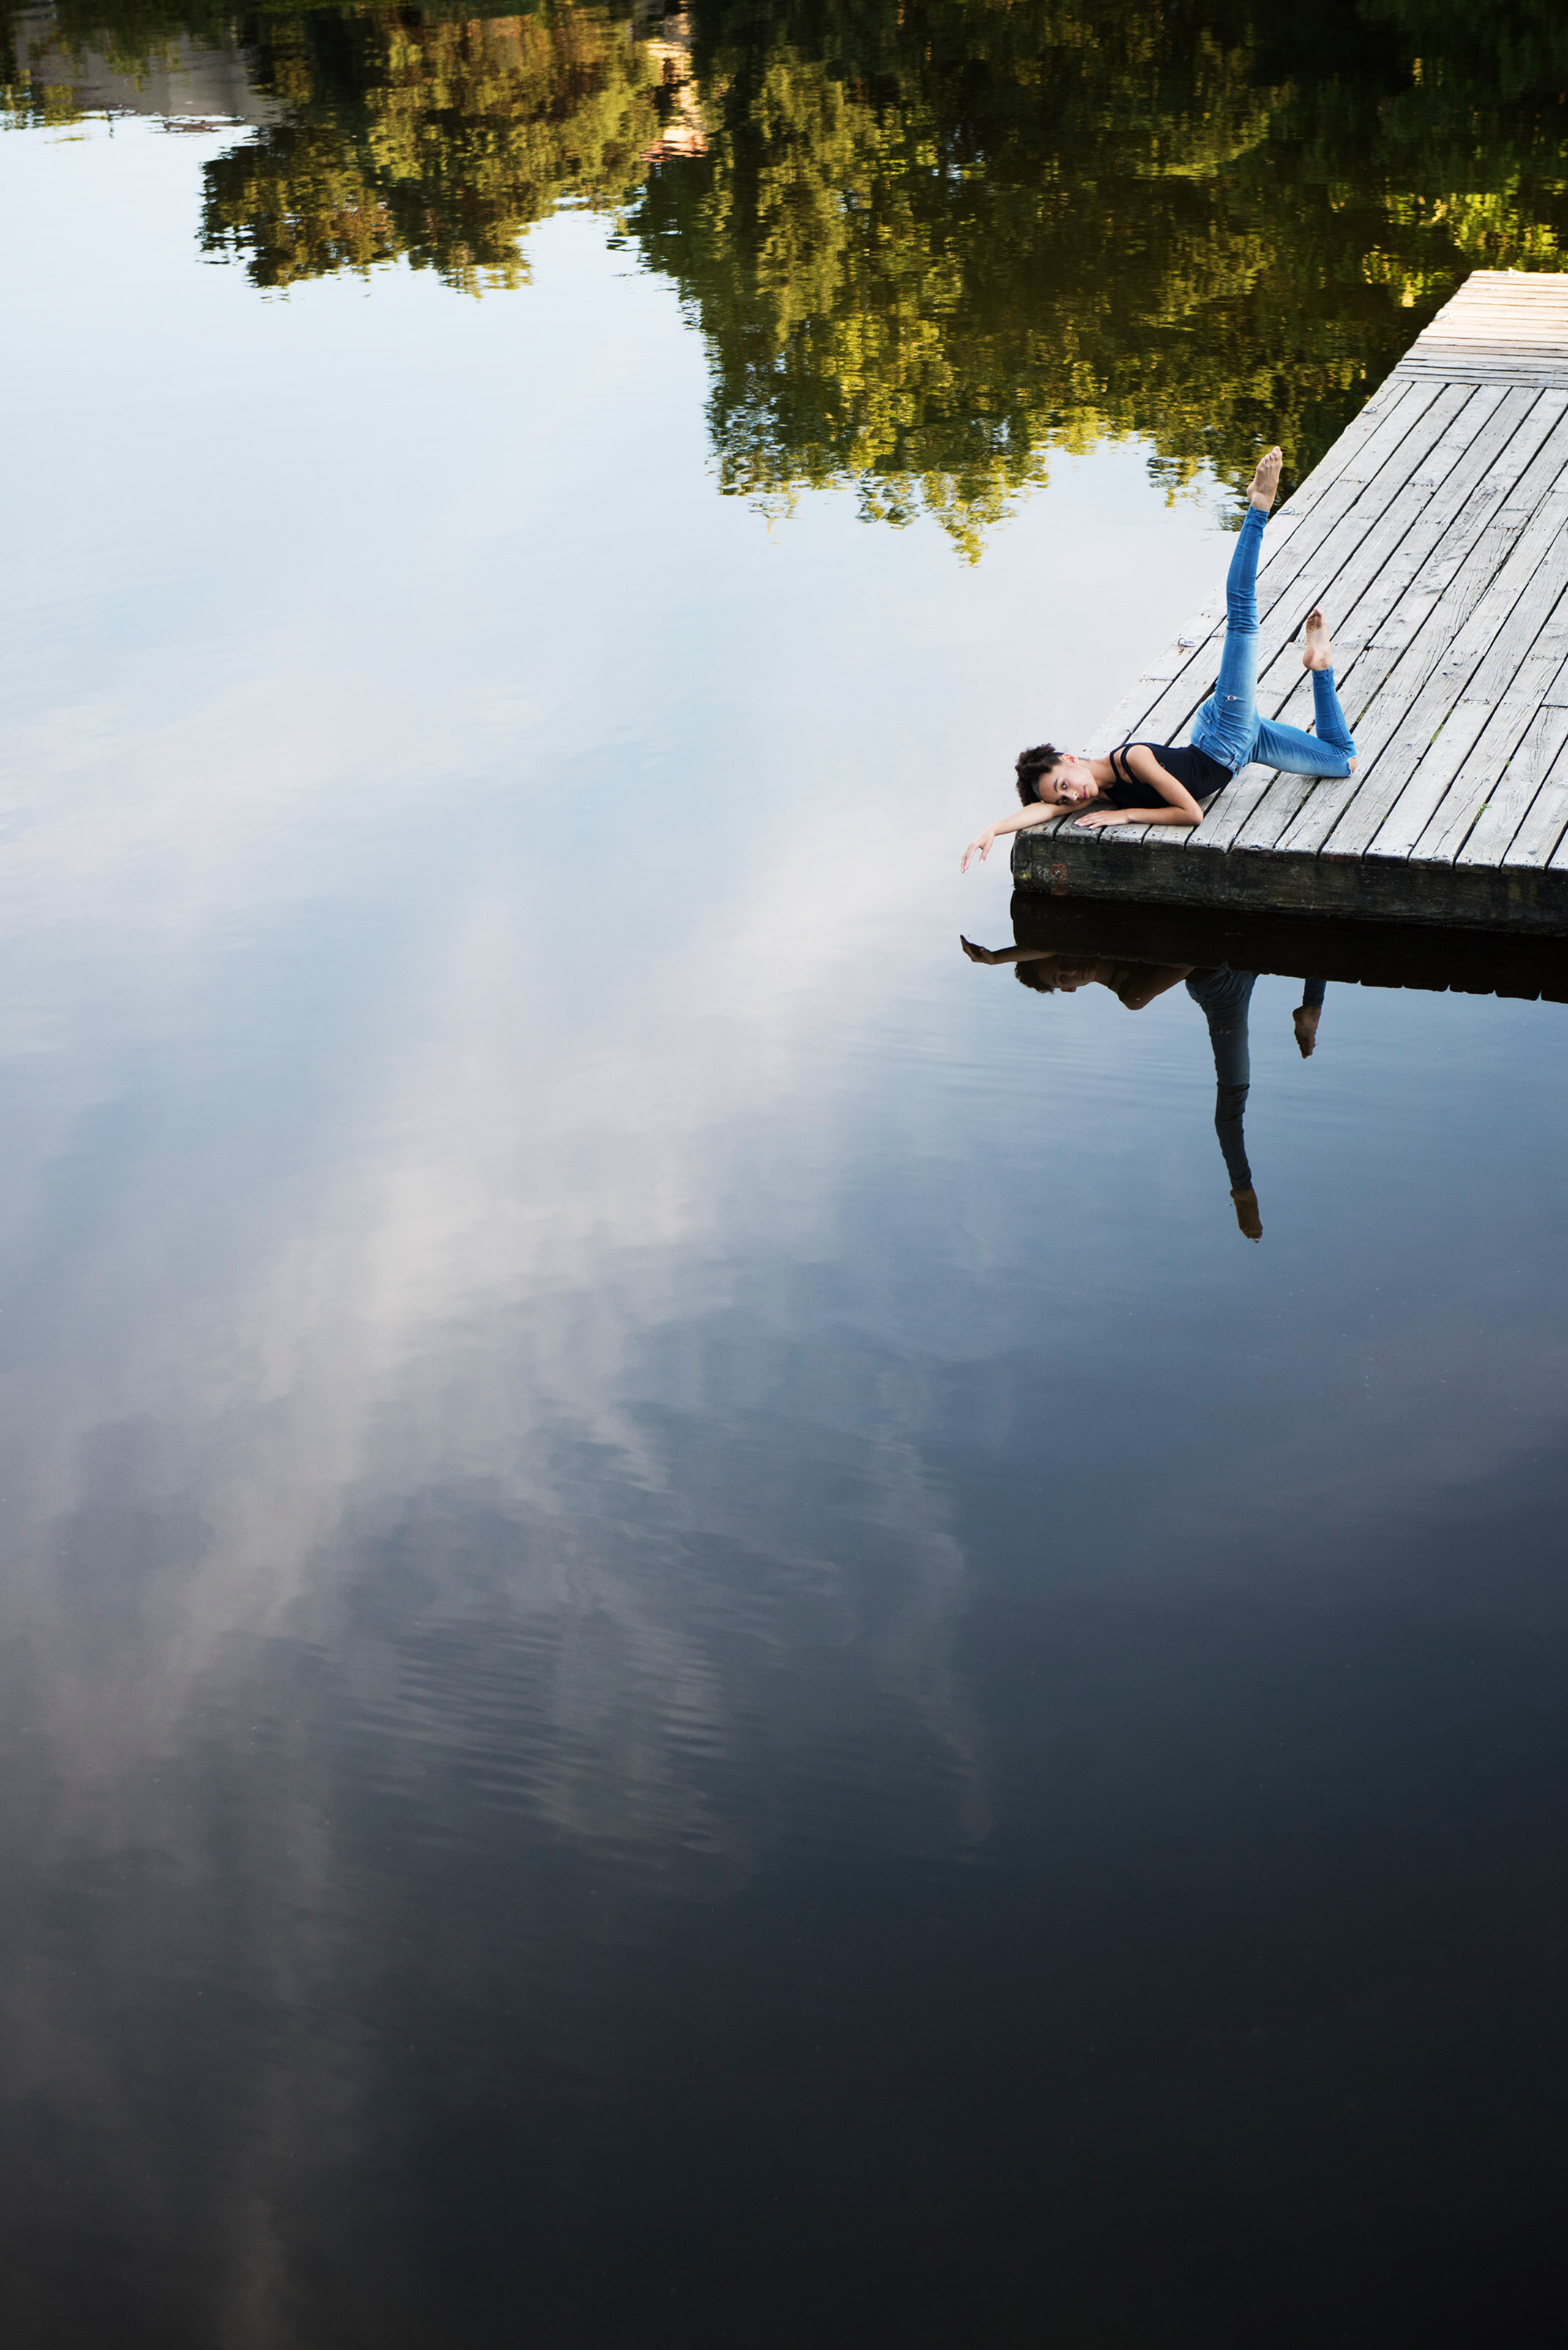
(1223, 997)
(1164, 782)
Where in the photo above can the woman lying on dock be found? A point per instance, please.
(1164, 782)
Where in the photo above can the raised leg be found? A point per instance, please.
(1317, 655)
(1297, 751)
(1330, 751)
(1224, 997)
(1228, 720)
(1307, 1015)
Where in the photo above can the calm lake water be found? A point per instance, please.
(692, 1650)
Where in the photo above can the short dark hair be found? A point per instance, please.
(1030, 767)
(1040, 975)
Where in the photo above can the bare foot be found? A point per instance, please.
(1246, 1214)
(1266, 480)
(1317, 650)
(1305, 1017)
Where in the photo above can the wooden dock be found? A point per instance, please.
(1435, 536)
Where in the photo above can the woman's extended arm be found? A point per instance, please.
(1004, 954)
(1180, 809)
(1041, 813)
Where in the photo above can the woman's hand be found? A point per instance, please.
(979, 847)
(975, 954)
(1097, 820)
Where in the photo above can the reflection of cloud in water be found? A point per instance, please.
(422, 1497)
(490, 1223)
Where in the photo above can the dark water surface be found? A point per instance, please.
(691, 1648)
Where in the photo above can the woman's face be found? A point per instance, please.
(1070, 784)
(1071, 976)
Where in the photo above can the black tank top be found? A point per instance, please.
(1202, 774)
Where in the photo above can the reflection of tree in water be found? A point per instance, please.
(412, 134)
(928, 243)
(923, 273)
(438, 141)
(931, 245)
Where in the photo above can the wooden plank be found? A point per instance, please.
(1229, 809)
(1121, 832)
(1461, 611)
(1499, 327)
(1424, 571)
(1512, 427)
(1496, 617)
(1429, 818)
(1522, 325)
(1278, 808)
(1475, 831)
(1481, 811)
(1461, 362)
(1158, 836)
(1498, 318)
(1539, 622)
(1434, 758)
(1546, 822)
(1508, 445)
(1536, 300)
(1506, 346)
(1493, 359)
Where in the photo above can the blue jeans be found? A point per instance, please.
(1228, 727)
(1223, 997)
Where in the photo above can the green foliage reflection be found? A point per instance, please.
(929, 241)
(441, 142)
